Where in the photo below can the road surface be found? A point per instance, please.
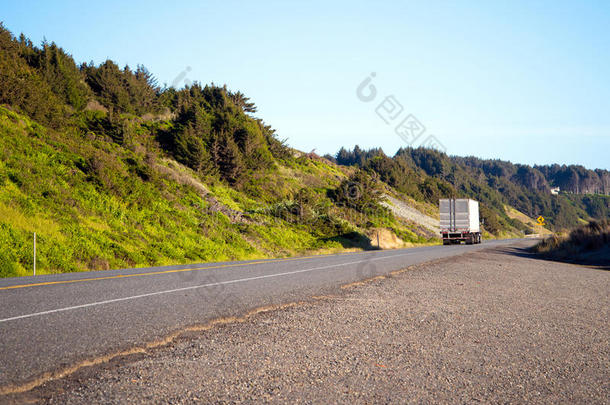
(50, 322)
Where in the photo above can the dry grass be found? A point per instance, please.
(532, 223)
(588, 244)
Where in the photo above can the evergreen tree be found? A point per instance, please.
(228, 159)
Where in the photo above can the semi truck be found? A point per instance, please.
(459, 221)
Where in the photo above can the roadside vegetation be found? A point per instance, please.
(588, 243)
(112, 170)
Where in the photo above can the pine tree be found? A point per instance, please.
(229, 160)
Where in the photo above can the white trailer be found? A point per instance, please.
(459, 221)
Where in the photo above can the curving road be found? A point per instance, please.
(50, 322)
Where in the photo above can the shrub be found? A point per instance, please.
(360, 192)
(587, 238)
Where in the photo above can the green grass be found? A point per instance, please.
(111, 220)
(96, 205)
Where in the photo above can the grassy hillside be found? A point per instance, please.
(95, 204)
(534, 227)
(111, 170)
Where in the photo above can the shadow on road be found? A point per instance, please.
(598, 262)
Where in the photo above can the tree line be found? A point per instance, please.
(427, 175)
(208, 128)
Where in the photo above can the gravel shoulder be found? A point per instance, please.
(490, 326)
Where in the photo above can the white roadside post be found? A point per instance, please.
(34, 253)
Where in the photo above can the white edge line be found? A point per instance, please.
(193, 287)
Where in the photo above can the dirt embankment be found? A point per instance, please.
(383, 238)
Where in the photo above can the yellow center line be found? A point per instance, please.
(220, 266)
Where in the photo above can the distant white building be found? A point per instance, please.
(555, 190)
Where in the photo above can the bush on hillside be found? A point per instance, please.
(590, 238)
(359, 191)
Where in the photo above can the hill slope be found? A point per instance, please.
(427, 175)
(111, 170)
(95, 204)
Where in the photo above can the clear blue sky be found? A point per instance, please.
(522, 81)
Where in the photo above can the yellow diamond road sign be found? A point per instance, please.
(540, 220)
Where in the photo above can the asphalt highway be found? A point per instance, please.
(50, 322)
